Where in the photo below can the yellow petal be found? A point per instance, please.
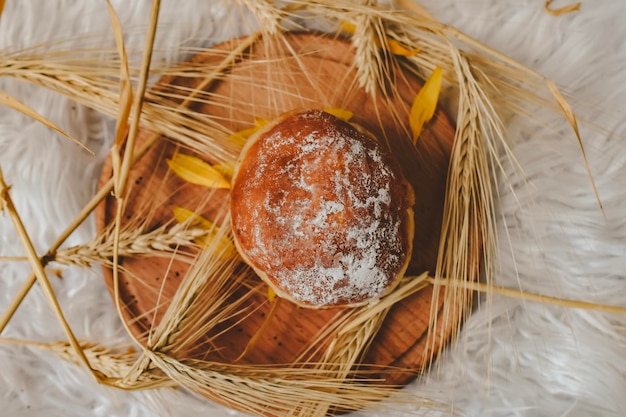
(241, 137)
(183, 215)
(271, 294)
(260, 122)
(225, 246)
(348, 27)
(197, 171)
(425, 103)
(339, 113)
(397, 48)
(557, 12)
(226, 169)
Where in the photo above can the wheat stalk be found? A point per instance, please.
(468, 231)
(525, 295)
(113, 361)
(367, 38)
(211, 269)
(89, 92)
(6, 203)
(134, 241)
(268, 16)
(284, 391)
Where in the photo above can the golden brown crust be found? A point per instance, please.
(321, 211)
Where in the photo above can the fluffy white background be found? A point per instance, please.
(514, 359)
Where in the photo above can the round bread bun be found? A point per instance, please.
(321, 211)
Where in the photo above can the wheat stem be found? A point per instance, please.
(525, 295)
(42, 278)
(106, 188)
(134, 241)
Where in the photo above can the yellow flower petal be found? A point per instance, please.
(397, 48)
(425, 103)
(271, 294)
(340, 113)
(225, 246)
(197, 171)
(260, 122)
(241, 137)
(226, 169)
(348, 27)
(183, 215)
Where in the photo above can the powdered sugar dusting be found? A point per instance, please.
(326, 228)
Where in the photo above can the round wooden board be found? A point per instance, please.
(266, 81)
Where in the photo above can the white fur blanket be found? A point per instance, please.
(515, 359)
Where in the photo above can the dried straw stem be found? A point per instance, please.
(102, 193)
(527, 296)
(354, 332)
(210, 270)
(194, 130)
(6, 203)
(65, 81)
(12, 102)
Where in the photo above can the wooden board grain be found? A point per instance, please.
(274, 76)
